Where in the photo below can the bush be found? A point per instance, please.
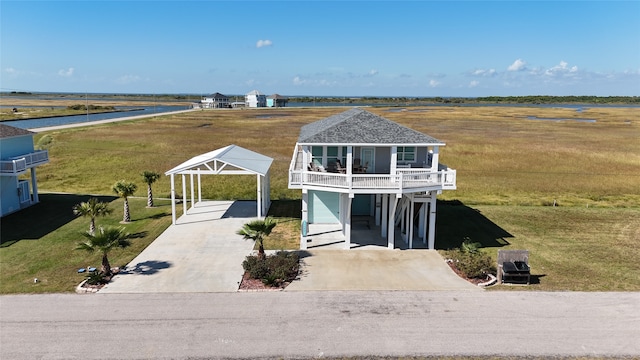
(472, 264)
(274, 269)
(96, 278)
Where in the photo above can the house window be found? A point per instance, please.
(327, 156)
(406, 154)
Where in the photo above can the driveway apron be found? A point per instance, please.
(201, 253)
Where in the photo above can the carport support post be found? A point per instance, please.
(192, 189)
(184, 195)
(432, 222)
(199, 186)
(259, 196)
(173, 200)
(385, 218)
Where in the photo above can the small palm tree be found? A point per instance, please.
(257, 230)
(149, 178)
(124, 189)
(104, 241)
(92, 208)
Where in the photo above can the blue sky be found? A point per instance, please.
(322, 48)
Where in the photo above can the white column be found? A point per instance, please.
(393, 203)
(432, 223)
(384, 217)
(259, 196)
(347, 222)
(199, 186)
(394, 160)
(173, 200)
(305, 220)
(410, 232)
(34, 187)
(434, 159)
(184, 195)
(192, 190)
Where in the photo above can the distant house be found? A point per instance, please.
(357, 164)
(276, 100)
(215, 101)
(255, 99)
(18, 158)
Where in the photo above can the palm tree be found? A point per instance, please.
(104, 241)
(92, 208)
(124, 189)
(149, 177)
(257, 230)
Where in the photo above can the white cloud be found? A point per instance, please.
(434, 83)
(561, 69)
(66, 73)
(10, 70)
(474, 83)
(517, 65)
(373, 72)
(484, 72)
(263, 43)
(298, 81)
(127, 79)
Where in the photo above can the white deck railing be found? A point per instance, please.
(404, 179)
(19, 164)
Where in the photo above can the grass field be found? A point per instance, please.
(511, 170)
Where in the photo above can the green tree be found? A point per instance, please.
(257, 230)
(92, 208)
(149, 177)
(105, 240)
(124, 189)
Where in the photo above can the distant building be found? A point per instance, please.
(215, 101)
(17, 158)
(277, 100)
(255, 99)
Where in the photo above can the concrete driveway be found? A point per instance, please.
(202, 253)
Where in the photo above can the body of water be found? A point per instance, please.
(64, 120)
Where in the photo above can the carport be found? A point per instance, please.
(229, 160)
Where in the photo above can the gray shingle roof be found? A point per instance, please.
(357, 126)
(7, 131)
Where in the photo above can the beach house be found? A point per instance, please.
(254, 99)
(277, 100)
(215, 101)
(18, 162)
(356, 165)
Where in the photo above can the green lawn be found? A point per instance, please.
(510, 171)
(39, 242)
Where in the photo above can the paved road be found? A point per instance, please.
(318, 324)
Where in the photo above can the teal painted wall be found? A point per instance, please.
(323, 207)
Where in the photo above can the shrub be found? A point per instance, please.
(274, 269)
(96, 278)
(472, 264)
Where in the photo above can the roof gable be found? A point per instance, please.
(357, 126)
(7, 131)
(233, 155)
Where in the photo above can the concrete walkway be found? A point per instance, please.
(201, 253)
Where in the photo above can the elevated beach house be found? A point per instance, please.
(357, 164)
(18, 162)
(254, 99)
(277, 100)
(215, 101)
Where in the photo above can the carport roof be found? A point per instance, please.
(233, 155)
